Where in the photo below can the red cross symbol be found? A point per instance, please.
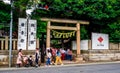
(100, 39)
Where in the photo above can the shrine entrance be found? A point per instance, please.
(77, 24)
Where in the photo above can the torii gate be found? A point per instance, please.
(77, 28)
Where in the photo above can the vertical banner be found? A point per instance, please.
(100, 41)
(32, 27)
(22, 33)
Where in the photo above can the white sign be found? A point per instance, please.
(74, 45)
(27, 34)
(22, 33)
(100, 41)
(83, 45)
(32, 27)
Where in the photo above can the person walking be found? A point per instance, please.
(58, 57)
(49, 55)
(37, 56)
(54, 50)
(19, 58)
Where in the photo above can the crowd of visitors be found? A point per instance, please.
(54, 56)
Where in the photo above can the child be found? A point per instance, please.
(48, 62)
(30, 60)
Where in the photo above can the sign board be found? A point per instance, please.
(22, 33)
(27, 34)
(100, 41)
(83, 45)
(32, 27)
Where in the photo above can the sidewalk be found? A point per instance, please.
(66, 63)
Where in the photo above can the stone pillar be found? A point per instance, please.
(48, 35)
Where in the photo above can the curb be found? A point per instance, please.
(66, 65)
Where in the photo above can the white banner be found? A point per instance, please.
(83, 45)
(100, 41)
(22, 33)
(32, 27)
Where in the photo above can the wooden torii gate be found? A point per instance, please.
(77, 29)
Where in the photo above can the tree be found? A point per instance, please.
(4, 15)
(100, 13)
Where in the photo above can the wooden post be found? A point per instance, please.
(78, 58)
(6, 43)
(14, 44)
(37, 43)
(78, 39)
(2, 43)
(48, 36)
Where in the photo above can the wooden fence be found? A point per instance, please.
(4, 43)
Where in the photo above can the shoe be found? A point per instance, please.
(36, 66)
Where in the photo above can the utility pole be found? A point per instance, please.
(10, 43)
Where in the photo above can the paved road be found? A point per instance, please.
(94, 68)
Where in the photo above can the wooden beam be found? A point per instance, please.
(65, 21)
(63, 28)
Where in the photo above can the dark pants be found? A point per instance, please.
(48, 61)
(30, 62)
(36, 61)
(69, 57)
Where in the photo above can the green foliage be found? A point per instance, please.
(41, 28)
(99, 9)
(103, 15)
(4, 15)
(84, 32)
(114, 31)
(1, 26)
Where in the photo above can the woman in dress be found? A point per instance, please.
(19, 58)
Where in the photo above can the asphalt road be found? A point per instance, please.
(93, 68)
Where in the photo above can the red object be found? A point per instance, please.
(46, 7)
(100, 39)
(63, 56)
